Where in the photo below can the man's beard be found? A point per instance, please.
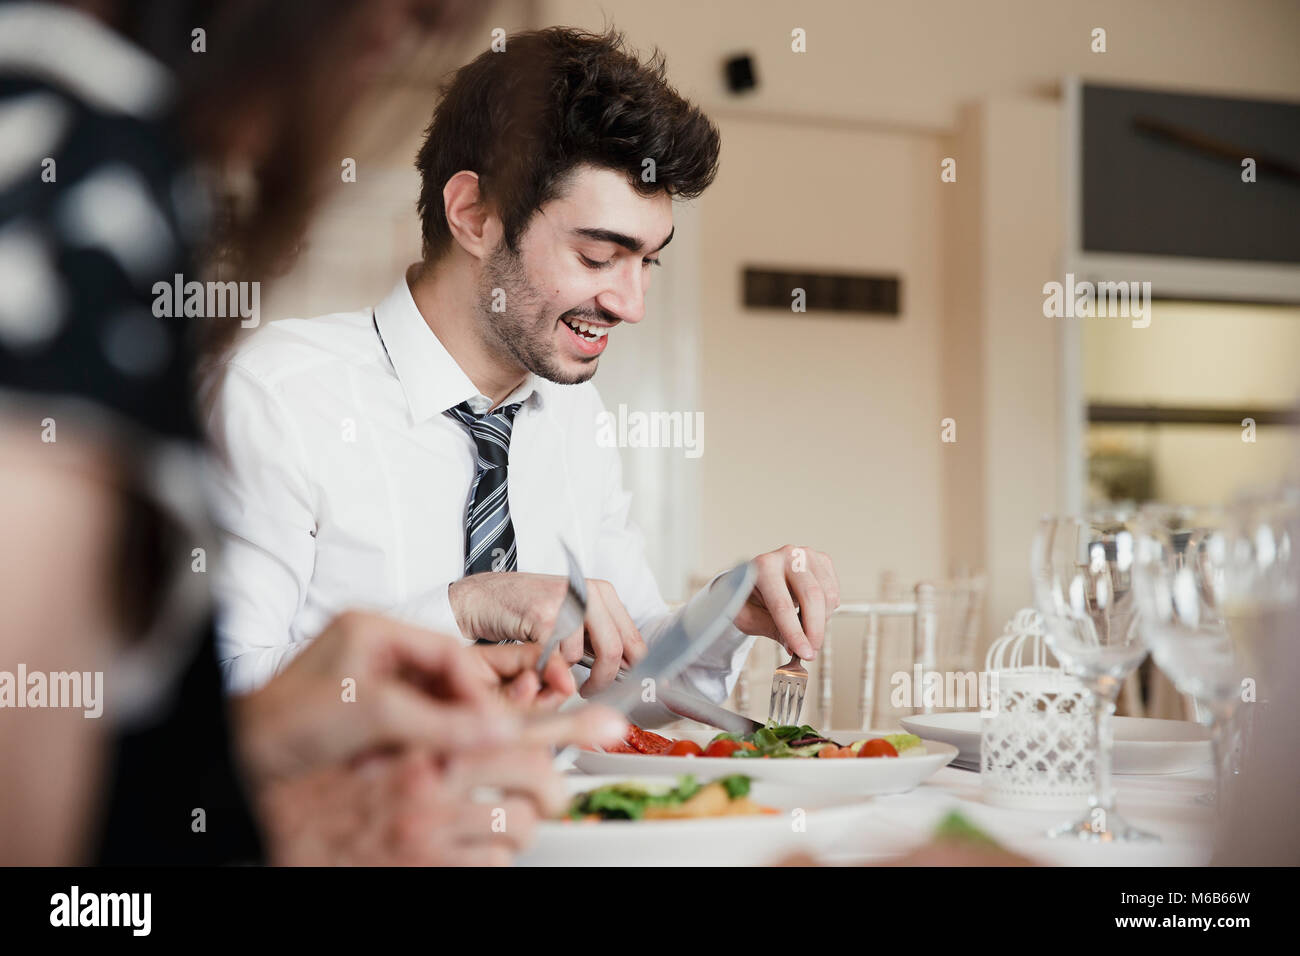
(523, 330)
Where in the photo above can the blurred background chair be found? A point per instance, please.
(1149, 693)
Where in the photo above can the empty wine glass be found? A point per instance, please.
(1179, 575)
(1082, 574)
(1261, 594)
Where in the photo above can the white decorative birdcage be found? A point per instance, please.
(1036, 745)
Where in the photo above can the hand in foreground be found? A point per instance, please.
(365, 683)
(513, 668)
(796, 591)
(523, 607)
(475, 807)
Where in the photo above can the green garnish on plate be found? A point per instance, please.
(956, 828)
(630, 801)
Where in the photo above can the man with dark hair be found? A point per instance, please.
(394, 458)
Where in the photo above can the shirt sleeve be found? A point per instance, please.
(263, 502)
(621, 560)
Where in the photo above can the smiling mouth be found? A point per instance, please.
(586, 330)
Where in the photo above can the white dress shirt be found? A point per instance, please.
(343, 485)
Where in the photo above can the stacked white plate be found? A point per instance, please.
(1142, 744)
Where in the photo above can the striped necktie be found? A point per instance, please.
(489, 535)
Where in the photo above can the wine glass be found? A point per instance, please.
(1179, 575)
(1082, 575)
(1261, 591)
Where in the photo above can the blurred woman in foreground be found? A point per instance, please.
(365, 750)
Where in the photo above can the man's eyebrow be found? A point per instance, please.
(630, 243)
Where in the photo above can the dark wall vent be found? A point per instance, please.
(823, 291)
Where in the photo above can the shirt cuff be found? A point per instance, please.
(713, 674)
(246, 672)
(729, 651)
(431, 610)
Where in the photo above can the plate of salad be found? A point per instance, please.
(693, 819)
(857, 761)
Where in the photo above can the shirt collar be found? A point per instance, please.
(430, 378)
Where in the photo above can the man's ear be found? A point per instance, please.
(472, 223)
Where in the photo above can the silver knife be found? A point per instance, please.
(689, 636)
(692, 633)
(573, 611)
(688, 705)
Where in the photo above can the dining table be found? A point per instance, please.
(883, 828)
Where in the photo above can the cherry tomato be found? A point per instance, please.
(721, 748)
(725, 748)
(685, 748)
(880, 747)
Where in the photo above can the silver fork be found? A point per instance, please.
(788, 685)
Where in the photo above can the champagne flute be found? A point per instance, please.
(1082, 574)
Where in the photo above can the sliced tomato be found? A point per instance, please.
(654, 744)
(879, 747)
(645, 742)
(686, 748)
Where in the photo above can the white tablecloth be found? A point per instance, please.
(1163, 804)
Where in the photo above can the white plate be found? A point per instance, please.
(823, 819)
(861, 775)
(1142, 744)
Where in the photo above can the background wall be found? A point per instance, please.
(913, 64)
(824, 429)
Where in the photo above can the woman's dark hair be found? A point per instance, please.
(291, 60)
(257, 55)
(524, 118)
